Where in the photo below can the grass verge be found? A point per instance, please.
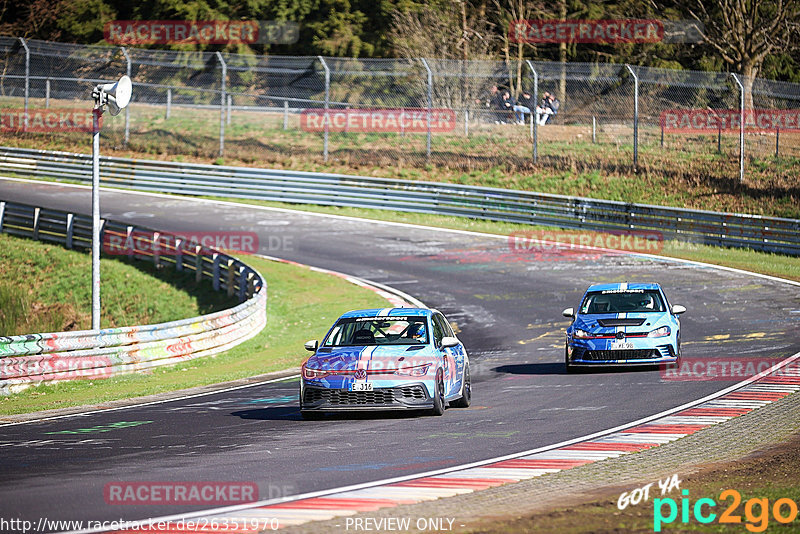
(771, 474)
(47, 288)
(302, 305)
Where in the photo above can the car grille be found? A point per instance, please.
(628, 354)
(382, 396)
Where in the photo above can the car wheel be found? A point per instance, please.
(438, 397)
(466, 391)
(569, 367)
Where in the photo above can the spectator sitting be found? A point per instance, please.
(551, 103)
(527, 103)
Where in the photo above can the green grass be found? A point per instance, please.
(302, 305)
(46, 288)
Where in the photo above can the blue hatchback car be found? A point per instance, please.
(623, 324)
(386, 359)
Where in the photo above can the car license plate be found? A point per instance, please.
(361, 386)
(620, 345)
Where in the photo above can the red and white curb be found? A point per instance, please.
(772, 385)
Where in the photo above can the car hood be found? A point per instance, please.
(604, 323)
(371, 357)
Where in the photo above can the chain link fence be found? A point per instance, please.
(423, 113)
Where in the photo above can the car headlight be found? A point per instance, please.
(419, 370)
(311, 374)
(664, 331)
(582, 334)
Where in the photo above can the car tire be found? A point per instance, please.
(569, 367)
(438, 396)
(466, 391)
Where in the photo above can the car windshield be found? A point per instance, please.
(360, 331)
(622, 301)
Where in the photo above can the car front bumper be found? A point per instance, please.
(590, 354)
(411, 396)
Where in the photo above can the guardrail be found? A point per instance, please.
(770, 234)
(31, 359)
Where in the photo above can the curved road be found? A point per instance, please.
(506, 306)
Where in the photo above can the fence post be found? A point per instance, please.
(2, 213)
(635, 117)
(27, 80)
(742, 119)
(430, 105)
(47, 94)
(327, 103)
(127, 108)
(222, 104)
(534, 115)
(230, 105)
(719, 140)
(466, 123)
(286, 114)
(777, 141)
(594, 130)
(169, 101)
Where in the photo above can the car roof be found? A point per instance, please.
(622, 286)
(388, 312)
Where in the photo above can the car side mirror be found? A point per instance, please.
(448, 342)
(569, 312)
(677, 309)
(312, 345)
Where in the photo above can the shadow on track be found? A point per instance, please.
(292, 413)
(557, 368)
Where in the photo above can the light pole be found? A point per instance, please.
(116, 96)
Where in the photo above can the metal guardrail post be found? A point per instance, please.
(327, 104)
(70, 229)
(27, 80)
(169, 102)
(534, 115)
(198, 263)
(223, 78)
(286, 114)
(635, 117)
(430, 104)
(741, 126)
(2, 213)
(179, 254)
(156, 251)
(36, 213)
(215, 272)
(47, 93)
(127, 108)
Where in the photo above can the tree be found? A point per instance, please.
(745, 32)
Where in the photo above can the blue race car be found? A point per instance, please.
(623, 324)
(389, 359)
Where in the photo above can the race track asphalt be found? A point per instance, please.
(506, 305)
